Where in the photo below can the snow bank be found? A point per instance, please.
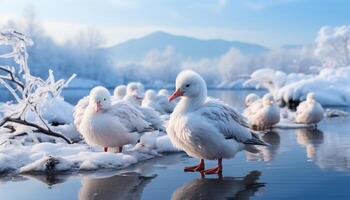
(26, 157)
(57, 112)
(331, 85)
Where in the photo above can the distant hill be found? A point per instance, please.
(185, 46)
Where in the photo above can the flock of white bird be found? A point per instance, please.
(265, 113)
(203, 127)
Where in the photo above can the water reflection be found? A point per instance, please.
(311, 139)
(225, 188)
(125, 186)
(334, 154)
(266, 153)
(48, 179)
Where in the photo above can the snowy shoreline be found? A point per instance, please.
(47, 157)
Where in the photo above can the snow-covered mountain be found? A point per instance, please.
(186, 46)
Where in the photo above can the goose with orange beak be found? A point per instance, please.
(206, 128)
(104, 124)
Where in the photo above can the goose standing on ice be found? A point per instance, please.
(265, 115)
(134, 97)
(105, 124)
(309, 111)
(119, 92)
(206, 128)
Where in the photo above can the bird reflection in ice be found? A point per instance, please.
(267, 153)
(311, 139)
(220, 188)
(124, 186)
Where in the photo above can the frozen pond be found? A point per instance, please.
(300, 164)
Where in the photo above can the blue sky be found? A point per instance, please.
(268, 22)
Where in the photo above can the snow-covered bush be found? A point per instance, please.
(333, 46)
(31, 94)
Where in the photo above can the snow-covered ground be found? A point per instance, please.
(23, 155)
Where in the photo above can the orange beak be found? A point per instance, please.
(98, 106)
(176, 94)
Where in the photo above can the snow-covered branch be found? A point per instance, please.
(32, 94)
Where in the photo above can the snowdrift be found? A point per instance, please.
(331, 85)
(22, 155)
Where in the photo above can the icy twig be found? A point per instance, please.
(39, 128)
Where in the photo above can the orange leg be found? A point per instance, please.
(105, 149)
(195, 168)
(215, 170)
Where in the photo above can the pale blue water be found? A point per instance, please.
(300, 164)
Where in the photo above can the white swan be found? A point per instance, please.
(206, 128)
(265, 116)
(119, 92)
(107, 125)
(309, 111)
(134, 97)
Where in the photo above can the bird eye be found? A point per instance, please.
(104, 99)
(188, 85)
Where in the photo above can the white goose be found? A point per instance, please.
(134, 94)
(309, 111)
(107, 125)
(252, 107)
(206, 128)
(264, 115)
(250, 99)
(150, 101)
(162, 100)
(134, 97)
(119, 92)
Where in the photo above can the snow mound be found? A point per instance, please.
(69, 131)
(59, 112)
(57, 157)
(295, 87)
(335, 113)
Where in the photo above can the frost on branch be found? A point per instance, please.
(333, 46)
(31, 94)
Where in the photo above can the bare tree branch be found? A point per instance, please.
(39, 128)
(11, 77)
